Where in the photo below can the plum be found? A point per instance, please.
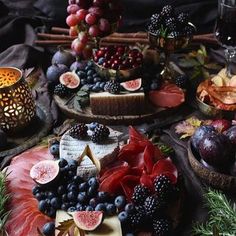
(231, 134)
(215, 149)
(200, 133)
(221, 125)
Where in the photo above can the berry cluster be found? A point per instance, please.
(99, 132)
(62, 91)
(149, 207)
(118, 57)
(95, 18)
(168, 23)
(112, 87)
(182, 81)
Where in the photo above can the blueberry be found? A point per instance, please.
(90, 86)
(129, 234)
(50, 195)
(96, 88)
(92, 191)
(111, 209)
(54, 150)
(82, 197)
(101, 60)
(93, 125)
(83, 187)
(89, 208)
(51, 212)
(64, 197)
(129, 208)
(87, 68)
(55, 203)
(73, 164)
(90, 72)
(71, 209)
(62, 162)
(71, 196)
(77, 179)
(93, 202)
(49, 228)
(154, 86)
(97, 79)
(93, 182)
(120, 202)
(43, 205)
(36, 189)
(79, 207)
(40, 196)
(83, 81)
(89, 79)
(72, 204)
(123, 217)
(102, 84)
(61, 189)
(65, 206)
(95, 75)
(81, 74)
(103, 196)
(100, 207)
(72, 188)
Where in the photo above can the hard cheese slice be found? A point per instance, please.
(110, 225)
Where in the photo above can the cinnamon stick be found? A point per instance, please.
(56, 36)
(60, 30)
(129, 35)
(53, 42)
(125, 40)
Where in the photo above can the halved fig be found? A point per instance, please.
(88, 220)
(132, 85)
(70, 79)
(45, 172)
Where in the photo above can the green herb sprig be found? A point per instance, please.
(222, 216)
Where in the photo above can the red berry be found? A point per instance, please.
(73, 31)
(94, 31)
(72, 9)
(81, 14)
(104, 25)
(96, 11)
(72, 20)
(83, 37)
(100, 53)
(90, 19)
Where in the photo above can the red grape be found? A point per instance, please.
(71, 2)
(96, 11)
(83, 37)
(104, 25)
(87, 52)
(72, 9)
(81, 14)
(77, 46)
(90, 19)
(94, 31)
(72, 20)
(83, 3)
(73, 31)
(98, 3)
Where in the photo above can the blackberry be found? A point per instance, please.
(183, 18)
(162, 227)
(156, 19)
(181, 81)
(163, 187)
(137, 219)
(112, 87)
(167, 11)
(153, 204)
(174, 34)
(188, 30)
(100, 134)
(140, 194)
(171, 24)
(62, 91)
(78, 131)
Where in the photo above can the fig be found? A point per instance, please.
(45, 172)
(231, 134)
(200, 133)
(70, 79)
(132, 85)
(3, 139)
(53, 73)
(221, 125)
(78, 65)
(215, 149)
(63, 57)
(88, 220)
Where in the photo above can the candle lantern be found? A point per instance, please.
(17, 106)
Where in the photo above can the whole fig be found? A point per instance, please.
(63, 57)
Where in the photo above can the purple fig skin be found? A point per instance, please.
(54, 72)
(63, 57)
(200, 133)
(77, 65)
(231, 134)
(215, 150)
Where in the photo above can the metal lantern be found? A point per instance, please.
(17, 106)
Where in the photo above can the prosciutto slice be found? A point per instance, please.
(25, 217)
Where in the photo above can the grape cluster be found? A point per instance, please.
(95, 18)
(168, 23)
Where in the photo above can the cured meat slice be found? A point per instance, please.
(25, 217)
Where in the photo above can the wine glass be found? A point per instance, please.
(225, 32)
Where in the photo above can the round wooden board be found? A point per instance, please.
(211, 177)
(31, 135)
(87, 116)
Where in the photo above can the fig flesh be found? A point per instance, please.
(45, 172)
(70, 79)
(132, 85)
(200, 133)
(88, 220)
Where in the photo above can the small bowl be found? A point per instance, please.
(121, 75)
(212, 111)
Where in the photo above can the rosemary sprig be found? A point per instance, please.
(4, 197)
(222, 216)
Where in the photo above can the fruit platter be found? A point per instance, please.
(89, 192)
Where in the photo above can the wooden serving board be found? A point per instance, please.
(87, 116)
